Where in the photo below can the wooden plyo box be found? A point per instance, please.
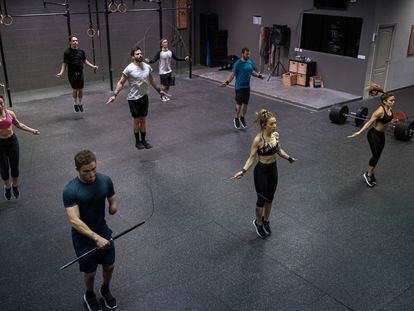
(289, 78)
(182, 16)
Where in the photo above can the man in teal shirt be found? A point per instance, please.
(243, 69)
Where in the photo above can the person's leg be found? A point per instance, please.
(89, 297)
(80, 95)
(162, 97)
(4, 169)
(14, 165)
(75, 102)
(376, 142)
(260, 186)
(136, 124)
(143, 112)
(143, 133)
(107, 259)
(244, 102)
(271, 189)
(89, 279)
(109, 300)
(107, 271)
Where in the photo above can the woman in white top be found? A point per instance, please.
(164, 56)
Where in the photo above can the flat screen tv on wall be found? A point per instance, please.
(331, 34)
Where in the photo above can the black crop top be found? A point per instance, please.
(386, 118)
(267, 149)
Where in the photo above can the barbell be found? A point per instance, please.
(403, 129)
(339, 114)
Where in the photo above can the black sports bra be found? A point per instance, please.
(267, 149)
(386, 118)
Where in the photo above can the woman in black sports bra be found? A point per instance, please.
(376, 135)
(266, 145)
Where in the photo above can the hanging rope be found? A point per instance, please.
(91, 33)
(98, 32)
(122, 8)
(5, 18)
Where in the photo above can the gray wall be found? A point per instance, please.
(401, 14)
(34, 46)
(236, 17)
(338, 72)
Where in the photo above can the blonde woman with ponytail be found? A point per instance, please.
(266, 145)
(376, 134)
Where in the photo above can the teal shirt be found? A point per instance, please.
(243, 71)
(91, 201)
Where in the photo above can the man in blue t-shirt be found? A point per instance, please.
(84, 199)
(243, 69)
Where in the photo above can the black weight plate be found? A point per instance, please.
(361, 116)
(338, 114)
(404, 131)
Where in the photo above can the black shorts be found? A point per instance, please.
(139, 107)
(89, 264)
(76, 80)
(167, 79)
(242, 96)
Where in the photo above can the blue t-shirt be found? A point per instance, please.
(243, 71)
(91, 201)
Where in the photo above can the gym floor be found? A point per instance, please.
(336, 244)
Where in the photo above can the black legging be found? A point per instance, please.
(265, 182)
(376, 142)
(9, 155)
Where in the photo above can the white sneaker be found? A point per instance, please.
(167, 98)
(163, 99)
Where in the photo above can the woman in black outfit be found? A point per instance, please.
(376, 135)
(266, 145)
(9, 149)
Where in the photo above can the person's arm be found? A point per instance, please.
(113, 205)
(229, 79)
(90, 64)
(155, 59)
(155, 86)
(179, 59)
(257, 74)
(62, 70)
(75, 221)
(376, 115)
(250, 159)
(22, 126)
(282, 153)
(118, 88)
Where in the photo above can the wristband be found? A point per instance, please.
(115, 94)
(227, 82)
(291, 160)
(243, 171)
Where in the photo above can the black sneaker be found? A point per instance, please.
(373, 180)
(91, 302)
(243, 122)
(7, 193)
(146, 144)
(368, 180)
(259, 229)
(75, 108)
(80, 107)
(110, 301)
(16, 191)
(139, 145)
(266, 227)
(236, 123)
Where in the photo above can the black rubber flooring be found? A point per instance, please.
(336, 244)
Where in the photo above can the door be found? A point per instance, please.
(382, 55)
